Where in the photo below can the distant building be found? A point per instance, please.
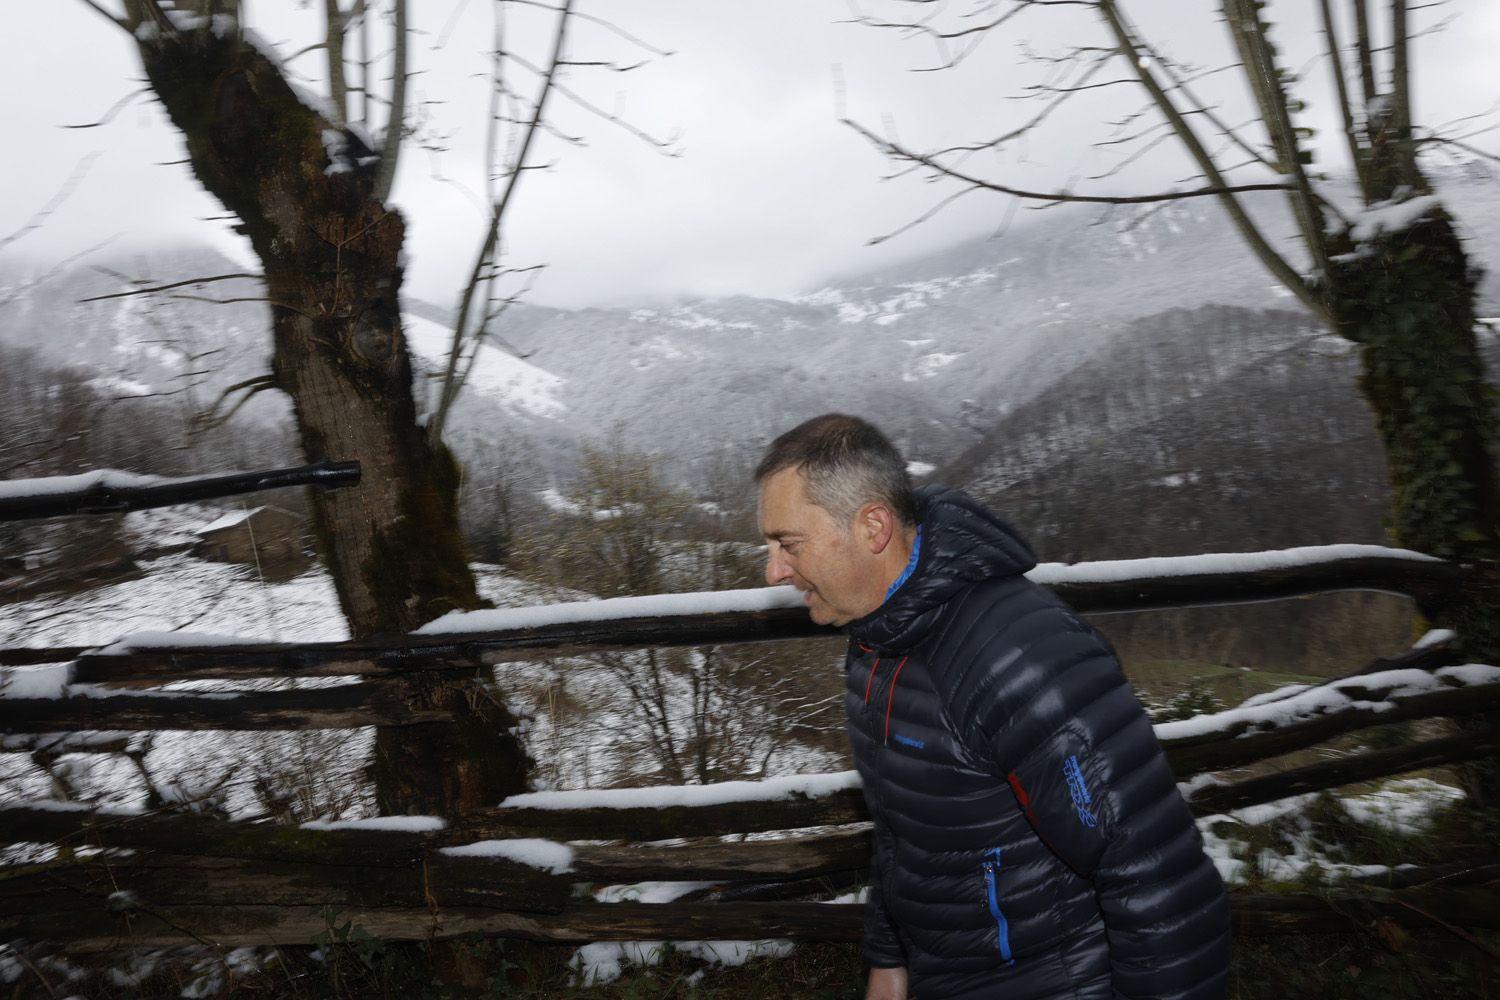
(268, 537)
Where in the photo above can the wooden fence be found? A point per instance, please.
(119, 880)
(172, 878)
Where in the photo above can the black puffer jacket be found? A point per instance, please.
(1030, 840)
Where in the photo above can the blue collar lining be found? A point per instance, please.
(911, 565)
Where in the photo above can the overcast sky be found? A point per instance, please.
(769, 195)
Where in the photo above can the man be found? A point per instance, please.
(1030, 841)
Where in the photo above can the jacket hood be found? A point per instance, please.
(962, 544)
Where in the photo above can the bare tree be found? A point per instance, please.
(306, 187)
(704, 713)
(1394, 279)
(308, 177)
(514, 122)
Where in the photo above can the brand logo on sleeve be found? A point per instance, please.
(1079, 791)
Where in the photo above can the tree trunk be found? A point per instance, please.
(303, 190)
(1407, 298)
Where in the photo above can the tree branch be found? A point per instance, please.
(117, 22)
(1264, 78)
(451, 386)
(1400, 73)
(80, 170)
(338, 90)
(1274, 262)
(114, 109)
(1035, 121)
(1341, 89)
(1365, 49)
(897, 151)
(395, 125)
(1229, 132)
(175, 284)
(663, 146)
(251, 387)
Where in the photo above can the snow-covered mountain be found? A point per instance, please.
(939, 350)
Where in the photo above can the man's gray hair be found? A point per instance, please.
(845, 463)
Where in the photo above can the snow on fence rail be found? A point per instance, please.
(475, 639)
(507, 871)
(110, 491)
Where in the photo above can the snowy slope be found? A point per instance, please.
(940, 348)
(517, 386)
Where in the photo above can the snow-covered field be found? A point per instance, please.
(580, 721)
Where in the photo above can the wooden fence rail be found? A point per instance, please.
(174, 878)
(344, 706)
(90, 928)
(110, 492)
(396, 885)
(1424, 580)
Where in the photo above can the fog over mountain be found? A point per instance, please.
(1012, 358)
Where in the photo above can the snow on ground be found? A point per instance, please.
(179, 592)
(1402, 805)
(576, 714)
(604, 961)
(178, 599)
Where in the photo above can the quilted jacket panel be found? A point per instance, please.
(1030, 840)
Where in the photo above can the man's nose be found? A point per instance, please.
(777, 571)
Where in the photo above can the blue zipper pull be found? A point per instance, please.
(1002, 926)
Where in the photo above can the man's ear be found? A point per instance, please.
(876, 524)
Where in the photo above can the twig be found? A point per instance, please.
(21, 955)
(175, 284)
(63, 194)
(114, 109)
(901, 152)
(1453, 929)
(112, 20)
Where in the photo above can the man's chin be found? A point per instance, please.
(821, 614)
(815, 609)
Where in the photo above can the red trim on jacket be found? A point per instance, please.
(891, 697)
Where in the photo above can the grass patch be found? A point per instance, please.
(1364, 966)
(1163, 680)
(353, 966)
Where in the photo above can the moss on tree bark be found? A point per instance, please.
(331, 255)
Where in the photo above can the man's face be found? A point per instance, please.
(811, 551)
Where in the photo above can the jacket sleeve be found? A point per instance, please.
(1083, 761)
(881, 947)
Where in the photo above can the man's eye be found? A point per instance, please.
(790, 548)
